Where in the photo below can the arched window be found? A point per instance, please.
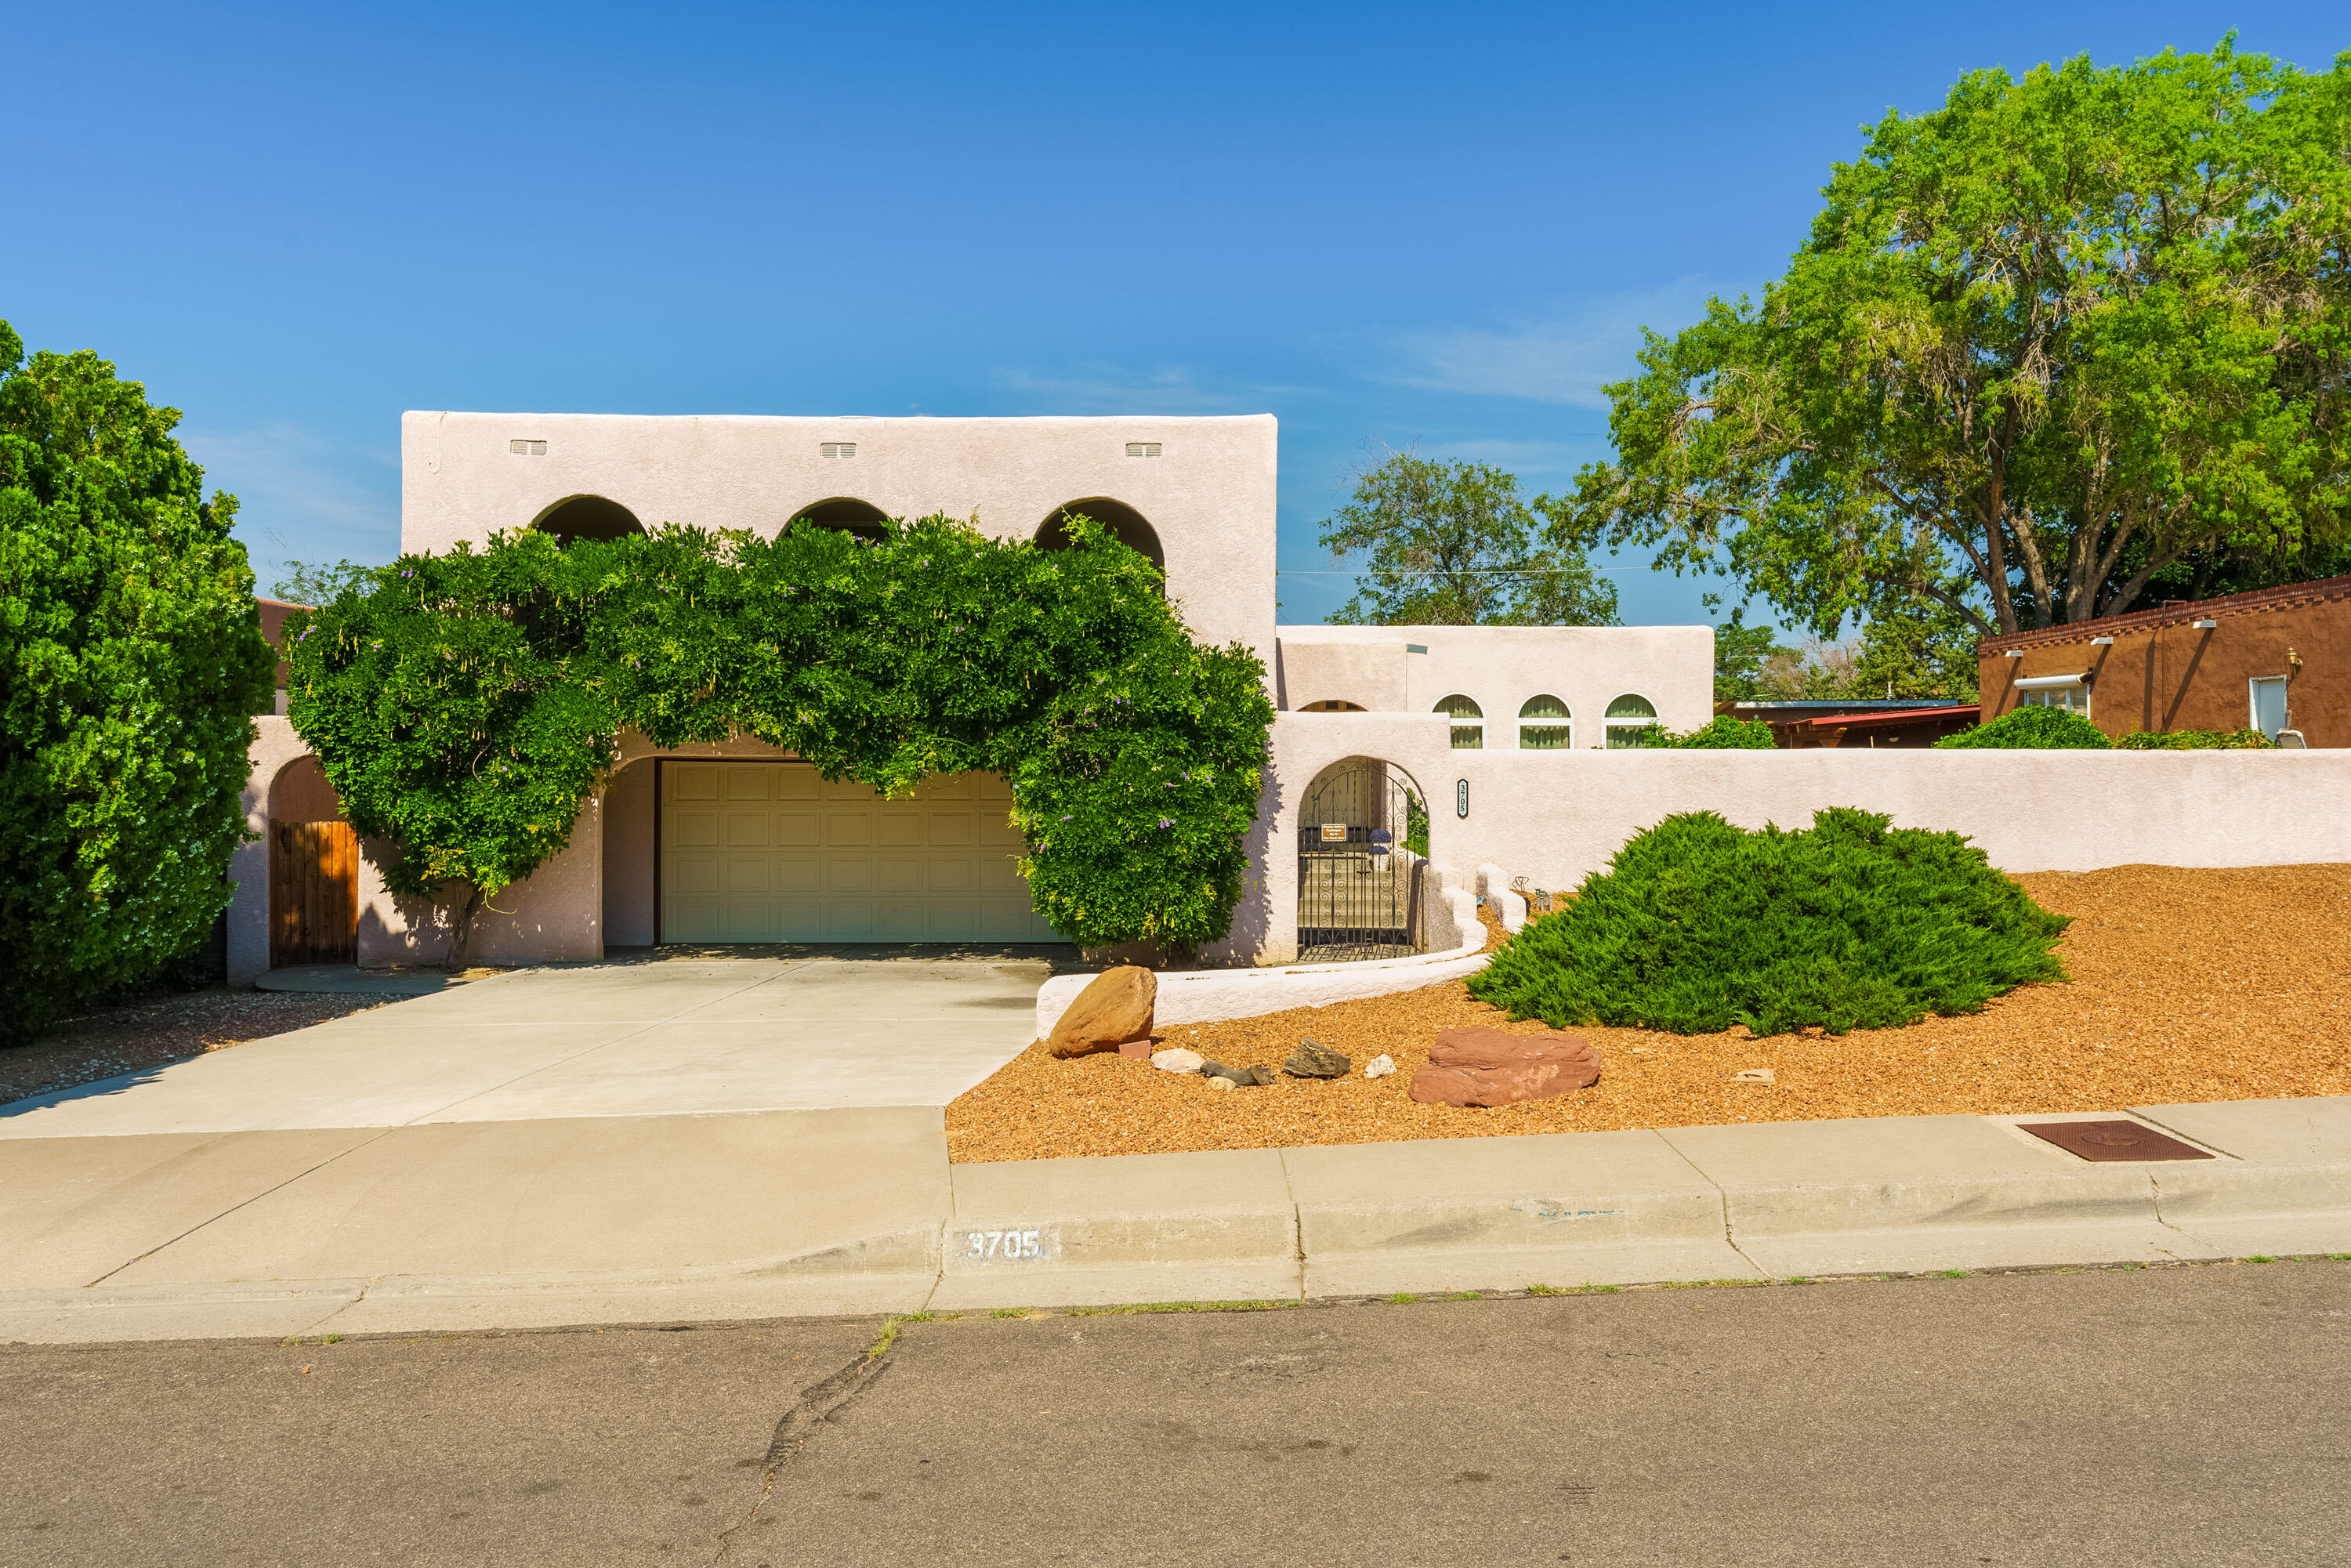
(587, 517)
(846, 514)
(1128, 525)
(1469, 722)
(1332, 704)
(1545, 724)
(1632, 722)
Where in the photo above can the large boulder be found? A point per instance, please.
(1490, 1067)
(1114, 1010)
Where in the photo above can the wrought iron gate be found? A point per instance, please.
(1358, 872)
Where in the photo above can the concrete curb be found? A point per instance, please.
(1771, 1200)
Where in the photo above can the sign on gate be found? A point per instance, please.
(1334, 833)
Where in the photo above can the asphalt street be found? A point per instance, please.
(2172, 1416)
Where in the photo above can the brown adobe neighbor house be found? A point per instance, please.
(2277, 659)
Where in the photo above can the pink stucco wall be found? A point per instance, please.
(1557, 816)
(1209, 495)
(1499, 667)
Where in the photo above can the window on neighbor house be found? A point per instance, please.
(1469, 722)
(2267, 702)
(1545, 724)
(1632, 722)
(2072, 696)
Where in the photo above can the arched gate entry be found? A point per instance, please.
(1362, 838)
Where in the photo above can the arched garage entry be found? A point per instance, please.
(587, 517)
(1362, 839)
(1130, 526)
(314, 871)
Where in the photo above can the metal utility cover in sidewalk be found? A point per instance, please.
(2112, 1140)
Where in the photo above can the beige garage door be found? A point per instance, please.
(768, 852)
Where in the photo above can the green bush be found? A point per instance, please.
(2196, 740)
(465, 704)
(2033, 729)
(1851, 924)
(131, 663)
(1726, 733)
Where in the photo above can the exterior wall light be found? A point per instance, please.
(2102, 642)
(2014, 653)
(2203, 626)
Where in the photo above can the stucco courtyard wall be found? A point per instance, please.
(1208, 495)
(1554, 817)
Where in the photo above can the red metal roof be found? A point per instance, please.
(1911, 716)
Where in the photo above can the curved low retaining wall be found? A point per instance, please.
(1207, 996)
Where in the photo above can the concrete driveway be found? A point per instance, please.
(699, 1138)
(667, 1038)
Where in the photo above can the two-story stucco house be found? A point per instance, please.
(1380, 732)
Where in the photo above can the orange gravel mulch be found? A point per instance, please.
(2187, 986)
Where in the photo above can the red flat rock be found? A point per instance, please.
(1484, 1067)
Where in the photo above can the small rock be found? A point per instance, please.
(1379, 1067)
(1753, 1075)
(1112, 1010)
(1260, 1076)
(1217, 1081)
(1135, 1049)
(1313, 1059)
(1228, 1074)
(1178, 1060)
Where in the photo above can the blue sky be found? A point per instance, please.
(1438, 227)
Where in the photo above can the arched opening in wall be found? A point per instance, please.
(587, 517)
(1363, 842)
(1130, 527)
(314, 871)
(845, 514)
(1332, 704)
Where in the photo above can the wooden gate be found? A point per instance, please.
(314, 893)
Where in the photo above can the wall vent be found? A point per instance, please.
(839, 449)
(528, 448)
(1143, 449)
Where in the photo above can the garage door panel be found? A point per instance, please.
(847, 920)
(771, 852)
(901, 920)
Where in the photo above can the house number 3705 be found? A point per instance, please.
(1001, 1244)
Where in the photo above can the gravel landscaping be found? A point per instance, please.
(2187, 986)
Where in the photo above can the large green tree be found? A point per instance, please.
(132, 661)
(1454, 544)
(2045, 343)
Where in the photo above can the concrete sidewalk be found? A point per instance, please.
(483, 1223)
